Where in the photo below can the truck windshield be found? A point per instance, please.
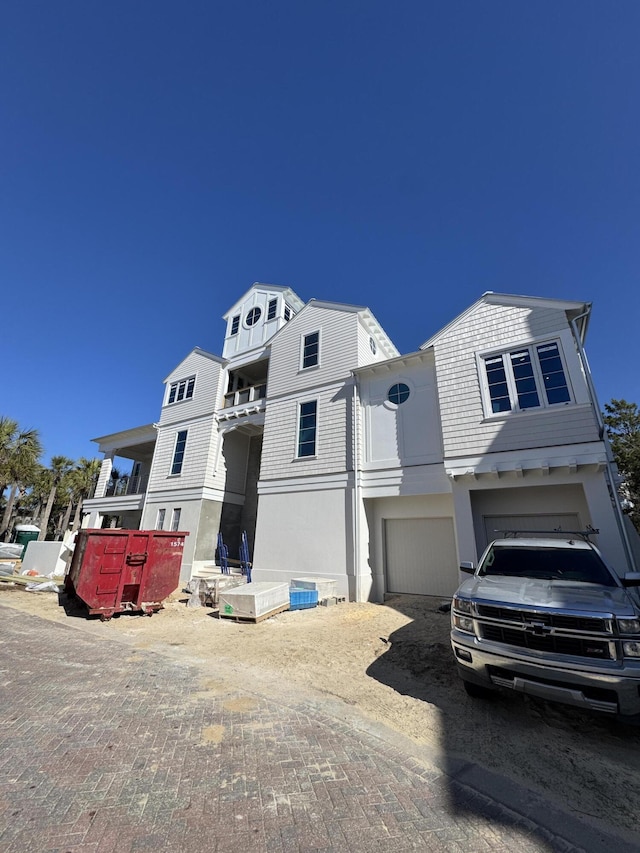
(547, 564)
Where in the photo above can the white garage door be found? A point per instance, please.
(421, 556)
(561, 521)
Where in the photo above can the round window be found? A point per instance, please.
(252, 317)
(398, 393)
(373, 345)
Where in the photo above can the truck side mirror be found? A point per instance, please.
(468, 568)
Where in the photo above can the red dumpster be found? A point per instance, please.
(117, 570)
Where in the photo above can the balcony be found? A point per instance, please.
(245, 396)
(126, 486)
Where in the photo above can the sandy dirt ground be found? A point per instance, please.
(393, 663)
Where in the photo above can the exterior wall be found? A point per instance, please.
(585, 494)
(231, 469)
(201, 439)
(189, 521)
(406, 434)
(207, 392)
(365, 353)
(334, 438)
(302, 534)
(338, 350)
(250, 337)
(532, 498)
(380, 509)
(466, 429)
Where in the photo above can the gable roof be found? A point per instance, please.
(364, 314)
(579, 311)
(290, 296)
(195, 351)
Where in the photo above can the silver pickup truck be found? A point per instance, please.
(548, 617)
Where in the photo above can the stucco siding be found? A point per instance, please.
(466, 427)
(232, 467)
(405, 434)
(316, 542)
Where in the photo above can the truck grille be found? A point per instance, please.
(553, 620)
(552, 643)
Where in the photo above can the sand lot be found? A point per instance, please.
(394, 664)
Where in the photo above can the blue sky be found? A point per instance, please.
(157, 157)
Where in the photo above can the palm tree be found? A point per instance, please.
(60, 466)
(19, 453)
(85, 476)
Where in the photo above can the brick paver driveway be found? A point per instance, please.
(104, 748)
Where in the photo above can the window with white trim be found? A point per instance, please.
(175, 518)
(182, 390)
(235, 325)
(160, 519)
(272, 309)
(526, 378)
(288, 313)
(253, 316)
(311, 350)
(398, 393)
(307, 428)
(178, 453)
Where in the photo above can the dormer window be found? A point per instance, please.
(235, 325)
(182, 390)
(287, 312)
(253, 316)
(272, 310)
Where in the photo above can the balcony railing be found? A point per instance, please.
(245, 395)
(126, 486)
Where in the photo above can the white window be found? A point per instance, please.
(525, 378)
(235, 324)
(175, 518)
(178, 453)
(272, 309)
(160, 519)
(307, 428)
(288, 313)
(182, 390)
(311, 350)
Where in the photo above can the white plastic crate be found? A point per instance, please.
(324, 587)
(254, 600)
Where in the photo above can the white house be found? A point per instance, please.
(343, 459)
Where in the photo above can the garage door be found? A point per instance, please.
(562, 521)
(421, 556)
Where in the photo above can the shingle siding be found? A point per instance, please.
(465, 427)
(333, 444)
(197, 451)
(207, 392)
(338, 350)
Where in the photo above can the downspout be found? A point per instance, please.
(613, 491)
(356, 493)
